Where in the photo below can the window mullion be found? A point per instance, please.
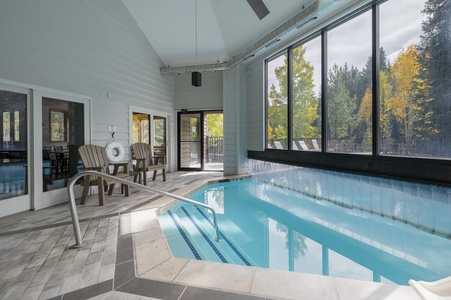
(290, 98)
(324, 91)
(375, 79)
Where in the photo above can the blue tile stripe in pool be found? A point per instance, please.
(183, 234)
(212, 245)
(237, 252)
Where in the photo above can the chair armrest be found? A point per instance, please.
(119, 164)
(99, 169)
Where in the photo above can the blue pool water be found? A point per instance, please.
(273, 227)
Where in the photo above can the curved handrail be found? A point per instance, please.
(73, 207)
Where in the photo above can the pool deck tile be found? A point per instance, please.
(356, 289)
(147, 260)
(167, 270)
(291, 285)
(219, 276)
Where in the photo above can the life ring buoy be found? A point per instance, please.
(115, 151)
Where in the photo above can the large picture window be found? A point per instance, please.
(415, 80)
(349, 94)
(407, 116)
(307, 96)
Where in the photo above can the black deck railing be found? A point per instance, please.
(214, 149)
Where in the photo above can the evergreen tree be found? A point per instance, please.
(341, 105)
(435, 58)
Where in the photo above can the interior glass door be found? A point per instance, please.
(159, 137)
(141, 128)
(14, 158)
(190, 141)
(62, 134)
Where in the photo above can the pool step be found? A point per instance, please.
(226, 244)
(176, 236)
(193, 227)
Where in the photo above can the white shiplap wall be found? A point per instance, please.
(242, 160)
(91, 48)
(235, 125)
(207, 96)
(255, 105)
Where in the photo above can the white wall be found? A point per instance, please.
(235, 125)
(91, 48)
(204, 97)
(256, 105)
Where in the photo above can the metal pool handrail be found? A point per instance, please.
(73, 207)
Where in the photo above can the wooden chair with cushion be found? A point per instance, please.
(95, 158)
(145, 162)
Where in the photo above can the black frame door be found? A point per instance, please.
(190, 133)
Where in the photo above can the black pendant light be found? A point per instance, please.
(196, 77)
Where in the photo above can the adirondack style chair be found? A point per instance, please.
(95, 158)
(145, 162)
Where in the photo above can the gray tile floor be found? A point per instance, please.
(37, 261)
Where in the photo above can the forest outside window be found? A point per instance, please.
(306, 96)
(408, 116)
(415, 80)
(349, 82)
(277, 105)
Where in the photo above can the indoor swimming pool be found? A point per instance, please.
(368, 230)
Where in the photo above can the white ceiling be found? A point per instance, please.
(224, 27)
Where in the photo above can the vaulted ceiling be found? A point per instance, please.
(193, 32)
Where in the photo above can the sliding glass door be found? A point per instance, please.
(39, 139)
(159, 136)
(140, 128)
(14, 158)
(62, 134)
(64, 121)
(155, 135)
